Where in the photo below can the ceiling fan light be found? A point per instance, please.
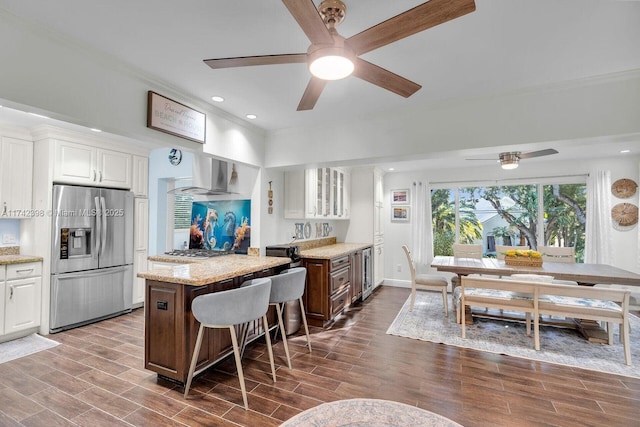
(509, 160)
(331, 67)
(332, 62)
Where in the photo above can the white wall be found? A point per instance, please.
(625, 244)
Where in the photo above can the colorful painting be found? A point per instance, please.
(222, 225)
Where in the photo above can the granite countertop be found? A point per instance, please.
(18, 259)
(333, 251)
(202, 272)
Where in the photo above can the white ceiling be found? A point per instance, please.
(505, 45)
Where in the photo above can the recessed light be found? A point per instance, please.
(251, 116)
(217, 98)
(392, 169)
(625, 151)
(95, 130)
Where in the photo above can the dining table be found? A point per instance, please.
(583, 273)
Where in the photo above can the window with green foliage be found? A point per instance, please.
(513, 215)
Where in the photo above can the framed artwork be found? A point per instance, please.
(400, 197)
(169, 116)
(400, 213)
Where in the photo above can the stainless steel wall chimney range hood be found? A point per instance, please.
(210, 177)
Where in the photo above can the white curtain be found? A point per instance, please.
(421, 247)
(598, 246)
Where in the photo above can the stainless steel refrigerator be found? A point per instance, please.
(92, 255)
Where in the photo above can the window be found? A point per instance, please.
(515, 215)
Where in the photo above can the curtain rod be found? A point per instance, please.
(508, 180)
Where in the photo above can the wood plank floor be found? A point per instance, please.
(96, 378)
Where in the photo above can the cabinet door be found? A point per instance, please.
(140, 185)
(141, 224)
(311, 190)
(294, 194)
(356, 275)
(22, 302)
(74, 163)
(16, 171)
(114, 169)
(139, 265)
(378, 265)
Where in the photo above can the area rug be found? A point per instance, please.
(557, 345)
(25, 346)
(367, 413)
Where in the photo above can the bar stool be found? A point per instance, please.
(285, 287)
(226, 309)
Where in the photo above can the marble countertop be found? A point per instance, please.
(333, 251)
(205, 271)
(18, 259)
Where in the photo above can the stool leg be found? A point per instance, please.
(194, 360)
(265, 325)
(284, 334)
(236, 353)
(304, 321)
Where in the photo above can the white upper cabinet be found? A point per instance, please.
(320, 193)
(140, 186)
(87, 165)
(16, 178)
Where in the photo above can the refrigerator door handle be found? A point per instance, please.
(98, 225)
(103, 239)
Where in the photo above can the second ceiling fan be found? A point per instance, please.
(329, 46)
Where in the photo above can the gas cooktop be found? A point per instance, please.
(197, 253)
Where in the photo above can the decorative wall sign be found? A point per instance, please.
(177, 119)
(624, 188)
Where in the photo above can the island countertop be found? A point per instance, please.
(333, 251)
(202, 272)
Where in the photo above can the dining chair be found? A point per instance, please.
(463, 250)
(425, 282)
(501, 249)
(557, 254)
(227, 309)
(285, 287)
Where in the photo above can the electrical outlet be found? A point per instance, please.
(399, 268)
(8, 238)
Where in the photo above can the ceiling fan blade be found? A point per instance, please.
(311, 94)
(309, 19)
(243, 61)
(384, 78)
(537, 153)
(420, 18)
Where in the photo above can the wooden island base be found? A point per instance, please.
(171, 329)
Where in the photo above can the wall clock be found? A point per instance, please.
(624, 214)
(624, 188)
(175, 156)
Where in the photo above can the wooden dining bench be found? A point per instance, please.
(536, 299)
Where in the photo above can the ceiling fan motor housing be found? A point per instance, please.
(332, 12)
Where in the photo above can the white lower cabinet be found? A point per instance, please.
(141, 245)
(22, 303)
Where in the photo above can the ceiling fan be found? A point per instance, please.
(337, 53)
(510, 159)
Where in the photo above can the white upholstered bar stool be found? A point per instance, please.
(285, 287)
(425, 282)
(226, 309)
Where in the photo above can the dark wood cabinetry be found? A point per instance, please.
(332, 286)
(171, 329)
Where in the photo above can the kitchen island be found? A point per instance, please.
(171, 329)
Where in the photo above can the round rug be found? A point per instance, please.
(369, 413)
